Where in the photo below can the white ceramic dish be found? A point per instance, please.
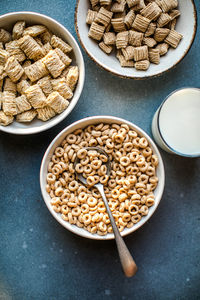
(7, 21)
(186, 25)
(57, 141)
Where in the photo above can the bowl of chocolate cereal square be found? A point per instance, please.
(136, 38)
(41, 72)
(133, 188)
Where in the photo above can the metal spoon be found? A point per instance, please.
(127, 262)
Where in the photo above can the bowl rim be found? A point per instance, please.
(98, 119)
(133, 77)
(59, 118)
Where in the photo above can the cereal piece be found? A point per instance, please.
(94, 2)
(72, 77)
(26, 116)
(38, 40)
(108, 28)
(65, 71)
(45, 85)
(9, 104)
(105, 2)
(118, 7)
(105, 48)
(13, 49)
(109, 38)
(161, 34)
(141, 53)
(36, 70)
(22, 104)
(5, 119)
(34, 30)
(167, 5)
(13, 69)
(163, 20)
(129, 18)
(57, 42)
(3, 74)
(46, 48)
(53, 63)
(103, 16)
(96, 8)
(122, 40)
(45, 113)
(123, 61)
(132, 3)
(139, 6)
(3, 56)
(18, 30)
(91, 15)
(173, 38)
(118, 24)
(96, 31)
(128, 52)
(5, 36)
(163, 48)
(175, 13)
(150, 42)
(46, 36)
(172, 24)
(142, 65)
(119, 15)
(152, 11)
(61, 86)
(27, 63)
(57, 102)
(154, 56)
(1, 45)
(30, 47)
(65, 59)
(151, 29)
(10, 86)
(22, 86)
(141, 23)
(35, 96)
(135, 38)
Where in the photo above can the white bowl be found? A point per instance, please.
(57, 141)
(7, 21)
(186, 25)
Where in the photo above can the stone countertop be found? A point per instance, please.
(39, 259)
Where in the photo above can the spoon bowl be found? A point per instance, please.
(77, 160)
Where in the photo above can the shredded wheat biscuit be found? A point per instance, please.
(57, 102)
(26, 116)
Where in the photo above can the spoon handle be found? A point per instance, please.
(127, 262)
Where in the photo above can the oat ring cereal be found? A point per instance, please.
(129, 188)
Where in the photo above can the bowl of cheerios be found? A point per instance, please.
(136, 38)
(133, 188)
(41, 72)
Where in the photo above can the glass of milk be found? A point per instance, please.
(176, 123)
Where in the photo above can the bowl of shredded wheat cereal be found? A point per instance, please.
(133, 189)
(41, 72)
(136, 38)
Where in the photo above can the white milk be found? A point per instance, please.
(176, 124)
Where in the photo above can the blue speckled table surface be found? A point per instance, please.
(39, 259)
